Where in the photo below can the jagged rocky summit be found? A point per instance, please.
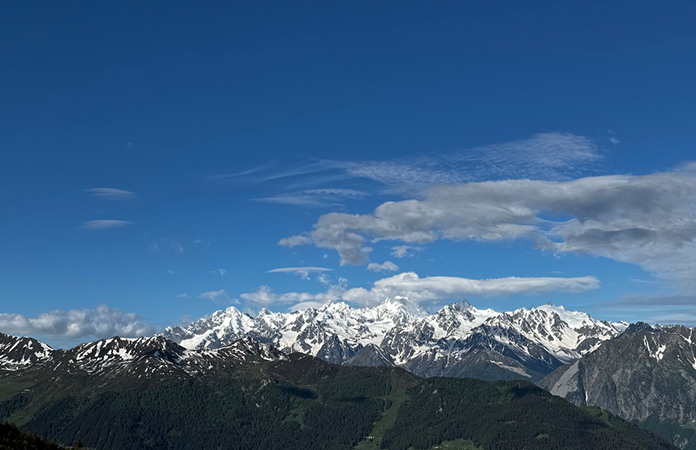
(459, 340)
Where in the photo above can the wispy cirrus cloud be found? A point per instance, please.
(178, 247)
(409, 284)
(254, 170)
(101, 322)
(548, 156)
(219, 272)
(303, 272)
(104, 224)
(112, 193)
(646, 220)
(217, 296)
(663, 308)
(315, 197)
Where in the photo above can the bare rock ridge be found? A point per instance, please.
(646, 375)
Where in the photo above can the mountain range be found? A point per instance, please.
(457, 341)
(154, 394)
(643, 373)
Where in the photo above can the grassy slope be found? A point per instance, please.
(401, 382)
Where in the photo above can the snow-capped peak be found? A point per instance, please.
(402, 330)
(564, 333)
(575, 319)
(17, 352)
(401, 309)
(458, 319)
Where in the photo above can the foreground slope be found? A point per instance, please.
(151, 393)
(12, 438)
(647, 375)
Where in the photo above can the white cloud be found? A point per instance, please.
(178, 247)
(219, 272)
(404, 251)
(646, 220)
(551, 156)
(387, 265)
(315, 197)
(306, 305)
(669, 308)
(265, 296)
(111, 193)
(301, 271)
(262, 168)
(104, 224)
(294, 241)
(409, 284)
(216, 296)
(101, 322)
(324, 279)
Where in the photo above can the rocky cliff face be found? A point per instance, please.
(648, 375)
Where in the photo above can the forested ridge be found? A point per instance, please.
(300, 403)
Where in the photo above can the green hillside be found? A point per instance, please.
(301, 403)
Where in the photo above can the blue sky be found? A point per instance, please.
(153, 155)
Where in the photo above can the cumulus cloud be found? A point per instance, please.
(646, 220)
(386, 266)
(111, 193)
(294, 241)
(409, 284)
(216, 296)
(104, 224)
(100, 322)
(301, 271)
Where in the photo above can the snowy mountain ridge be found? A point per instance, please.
(143, 357)
(458, 340)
